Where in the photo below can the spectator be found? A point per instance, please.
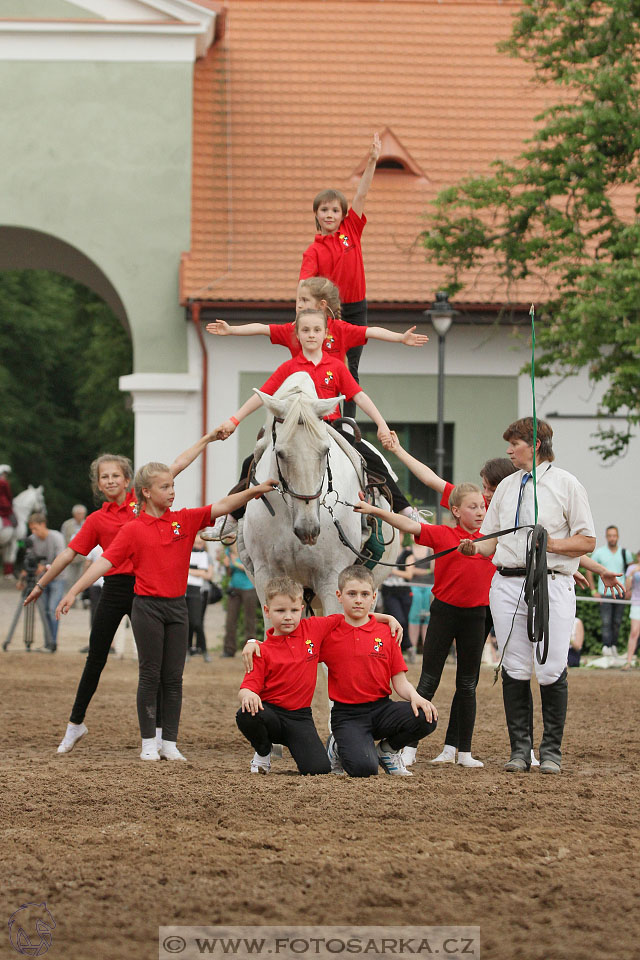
(68, 530)
(44, 545)
(240, 593)
(421, 586)
(632, 584)
(200, 575)
(616, 559)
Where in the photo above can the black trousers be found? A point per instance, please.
(196, 606)
(397, 603)
(355, 313)
(114, 604)
(452, 734)
(356, 727)
(160, 626)
(293, 728)
(611, 617)
(465, 625)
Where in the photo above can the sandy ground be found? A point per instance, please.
(547, 867)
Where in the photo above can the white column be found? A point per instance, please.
(167, 420)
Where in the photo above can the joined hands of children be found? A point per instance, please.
(391, 442)
(384, 435)
(225, 430)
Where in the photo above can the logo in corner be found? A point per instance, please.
(28, 918)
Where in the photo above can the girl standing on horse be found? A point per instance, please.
(331, 379)
(111, 477)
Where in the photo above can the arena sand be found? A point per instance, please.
(546, 866)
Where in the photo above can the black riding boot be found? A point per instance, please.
(516, 696)
(554, 698)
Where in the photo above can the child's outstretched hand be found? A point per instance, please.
(384, 434)
(392, 444)
(250, 648)
(376, 148)
(363, 506)
(220, 327)
(250, 702)
(267, 487)
(411, 339)
(225, 430)
(65, 605)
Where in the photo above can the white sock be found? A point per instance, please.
(466, 760)
(159, 735)
(534, 762)
(170, 744)
(149, 743)
(448, 754)
(409, 755)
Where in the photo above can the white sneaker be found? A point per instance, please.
(225, 528)
(606, 651)
(391, 760)
(169, 751)
(149, 750)
(466, 760)
(334, 756)
(261, 764)
(409, 755)
(534, 761)
(75, 733)
(446, 756)
(614, 651)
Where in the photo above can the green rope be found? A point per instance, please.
(532, 314)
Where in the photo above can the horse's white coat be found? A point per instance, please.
(271, 546)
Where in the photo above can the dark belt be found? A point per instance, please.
(522, 572)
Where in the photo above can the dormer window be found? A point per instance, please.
(393, 156)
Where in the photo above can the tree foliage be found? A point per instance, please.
(554, 214)
(62, 352)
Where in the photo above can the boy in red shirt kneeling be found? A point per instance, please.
(276, 694)
(363, 661)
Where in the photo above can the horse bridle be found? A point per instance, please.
(284, 486)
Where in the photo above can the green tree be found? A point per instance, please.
(61, 351)
(555, 212)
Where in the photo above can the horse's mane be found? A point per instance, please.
(301, 412)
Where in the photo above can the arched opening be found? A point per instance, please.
(64, 343)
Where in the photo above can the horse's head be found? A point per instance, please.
(300, 449)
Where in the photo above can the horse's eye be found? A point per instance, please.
(280, 455)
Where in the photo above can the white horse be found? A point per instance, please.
(24, 504)
(315, 473)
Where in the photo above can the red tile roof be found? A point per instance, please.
(286, 104)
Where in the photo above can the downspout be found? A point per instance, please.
(195, 316)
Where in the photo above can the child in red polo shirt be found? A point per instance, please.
(363, 661)
(336, 251)
(460, 595)
(111, 477)
(318, 293)
(277, 690)
(158, 545)
(331, 379)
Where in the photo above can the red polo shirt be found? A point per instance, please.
(361, 661)
(102, 527)
(338, 256)
(460, 581)
(286, 673)
(330, 377)
(340, 337)
(159, 549)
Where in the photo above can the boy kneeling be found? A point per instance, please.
(363, 660)
(276, 694)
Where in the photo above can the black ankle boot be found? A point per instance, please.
(554, 698)
(515, 694)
